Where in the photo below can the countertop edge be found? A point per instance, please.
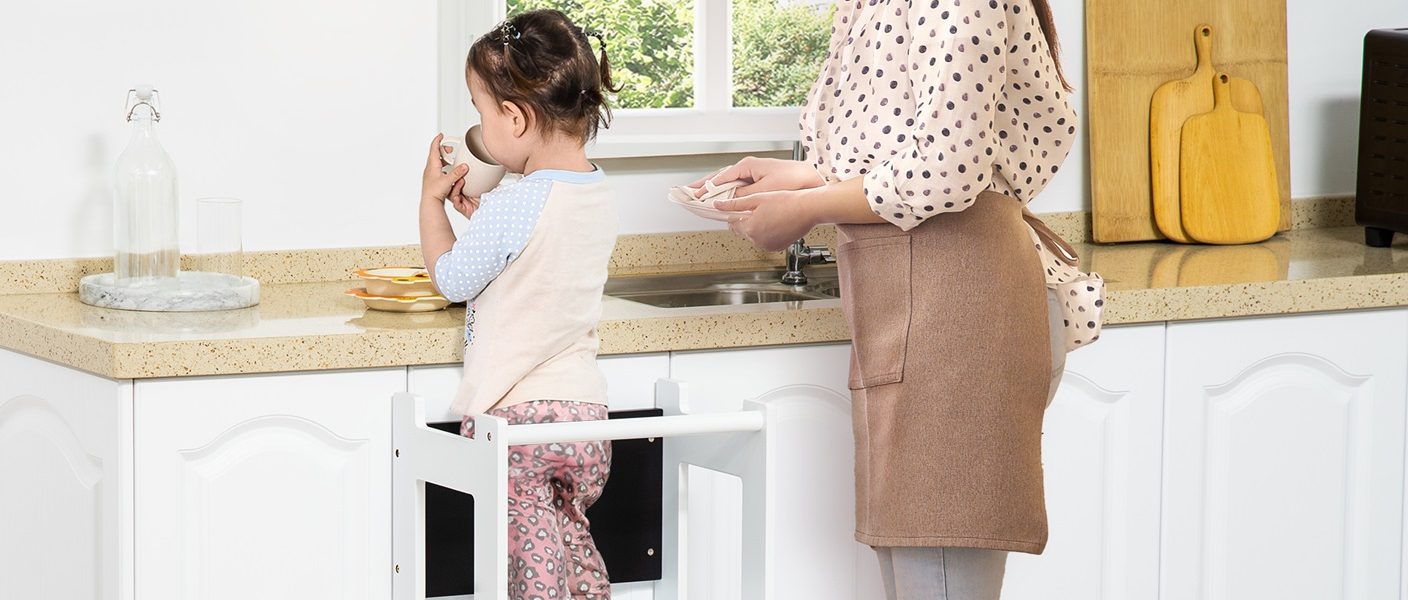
(1256, 299)
(667, 333)
(61, 347)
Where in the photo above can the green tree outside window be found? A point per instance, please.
(778, 46)
(650, 44)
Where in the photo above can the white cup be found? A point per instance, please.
(484, 172)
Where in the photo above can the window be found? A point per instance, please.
(697, 75)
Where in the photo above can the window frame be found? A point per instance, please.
(711, 126)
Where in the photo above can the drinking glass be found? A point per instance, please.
(219, 248)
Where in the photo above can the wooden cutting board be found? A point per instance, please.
(1174, 102)
(1227, 173)
(1133, 47)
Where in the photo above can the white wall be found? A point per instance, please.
(317, 113)
(330, 155)
(1325, 54)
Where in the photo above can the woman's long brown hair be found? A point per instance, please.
(1048, 28)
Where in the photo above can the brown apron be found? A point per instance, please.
(949, 375)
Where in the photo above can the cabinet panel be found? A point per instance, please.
(265, 486)
(839, 567)
(62, 479)
(1285, 443)
(1101, 450)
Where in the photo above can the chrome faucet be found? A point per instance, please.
(799, 255)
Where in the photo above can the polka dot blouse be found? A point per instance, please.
(935, 102)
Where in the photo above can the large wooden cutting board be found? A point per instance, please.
(1134, 46)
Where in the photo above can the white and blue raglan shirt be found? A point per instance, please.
(532, 265)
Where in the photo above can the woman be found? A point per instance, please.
(931, 125)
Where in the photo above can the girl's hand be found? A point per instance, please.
(465, 205)
(764, 175)
(435, 185)
(779, 218)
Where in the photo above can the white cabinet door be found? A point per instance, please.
(265, 486)
(1284, 457)
(837, 566)
(63, 482)
(630, 385)
(1101, 450)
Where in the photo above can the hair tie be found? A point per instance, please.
(593, 34)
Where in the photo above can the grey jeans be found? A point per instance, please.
(942, 573)
(962, 573)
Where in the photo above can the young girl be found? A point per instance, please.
(532, 265)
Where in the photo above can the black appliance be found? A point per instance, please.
(1381, 191)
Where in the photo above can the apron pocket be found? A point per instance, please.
(875, 291)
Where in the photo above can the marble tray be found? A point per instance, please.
(190, 291)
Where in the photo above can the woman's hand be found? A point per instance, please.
(779, 218)
(435, 185)
(764, 175)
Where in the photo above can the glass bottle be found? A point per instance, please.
(145, 226)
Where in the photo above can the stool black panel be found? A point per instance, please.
(626, 522)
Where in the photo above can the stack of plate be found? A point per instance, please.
(399, 289)
(704, 206)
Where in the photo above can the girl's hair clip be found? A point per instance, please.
(507, 32)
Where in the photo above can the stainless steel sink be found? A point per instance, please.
(724, 288)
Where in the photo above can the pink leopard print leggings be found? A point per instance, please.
(551, 552)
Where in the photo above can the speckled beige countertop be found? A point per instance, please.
(310, 325)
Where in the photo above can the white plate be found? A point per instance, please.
(713, 214)
(399, 304)
(705, 207)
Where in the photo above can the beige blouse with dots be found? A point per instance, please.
(935, 102)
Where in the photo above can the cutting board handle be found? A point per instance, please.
(1222, 92)
(1202, 42)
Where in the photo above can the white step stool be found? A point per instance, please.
(736, 443)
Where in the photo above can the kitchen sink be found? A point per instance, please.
(724, 288)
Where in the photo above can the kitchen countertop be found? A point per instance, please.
(312, 326)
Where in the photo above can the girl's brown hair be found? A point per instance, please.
(543, 62)
(1048, 28)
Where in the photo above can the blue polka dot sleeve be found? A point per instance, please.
(497, 233)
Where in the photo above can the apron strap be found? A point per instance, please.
(1058, 246)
